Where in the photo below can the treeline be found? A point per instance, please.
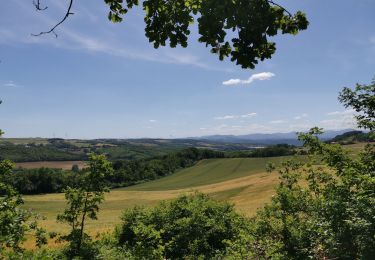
(37, 152)
(353, 137)
(43, 180)
(130, 172)
(126, 172)
(269, 151)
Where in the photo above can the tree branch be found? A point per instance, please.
(272, 2)
(52, 30)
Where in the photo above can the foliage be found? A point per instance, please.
(239, 29)
(56, 149)
(44, 254)
(274, 150)
(135, 171)
(15, 222)
(44, 180)
(83, 202)
(318, 211)
(352, 137)
(189, 227)
(321, 210)
(127, 172)
(34, 152)
(362, 100)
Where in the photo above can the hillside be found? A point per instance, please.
(57, 149)
(242, 181)
(268, 139)
(352, 137)
(208, 172)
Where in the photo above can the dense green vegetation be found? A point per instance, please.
(38, 152)
(43, 180)
(352, 137)
(130, 172)
(269, 151)
(126, 172)
(15, 223)
(56, 149)
(194, 227)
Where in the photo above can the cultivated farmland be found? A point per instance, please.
(242, 181)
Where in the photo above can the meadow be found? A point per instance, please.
(242, 181)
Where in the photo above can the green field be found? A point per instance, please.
(208, 172)
(242, 181)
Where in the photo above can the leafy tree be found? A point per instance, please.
(231, 28)
(15, 222)
(320, 212)
(323, 209)
(362, 100)
(189, 227)
(83, 203)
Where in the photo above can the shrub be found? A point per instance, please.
(189, 227)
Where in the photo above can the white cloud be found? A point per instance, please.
(225, 117)
(301, 126)
(341, 113)
(235, 116)
(339, 120)
(277, 122)
(153, 121)
(252, 78)
(337, 123)
(248, 115)
(304, 115)
(10, 84)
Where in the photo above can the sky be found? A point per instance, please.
(103, 80)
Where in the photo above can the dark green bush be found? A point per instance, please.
(189, 227)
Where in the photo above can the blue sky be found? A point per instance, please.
(104, 80)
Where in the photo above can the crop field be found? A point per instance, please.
(354, 149)
(65, 165)
(242, 181)
(208, 172)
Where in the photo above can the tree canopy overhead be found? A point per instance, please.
(239, 29)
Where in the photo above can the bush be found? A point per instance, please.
(321, 211)
(189, 227)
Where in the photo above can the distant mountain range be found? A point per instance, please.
(267, 139)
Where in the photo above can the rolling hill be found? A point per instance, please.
(242, 181)
(208, 172)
